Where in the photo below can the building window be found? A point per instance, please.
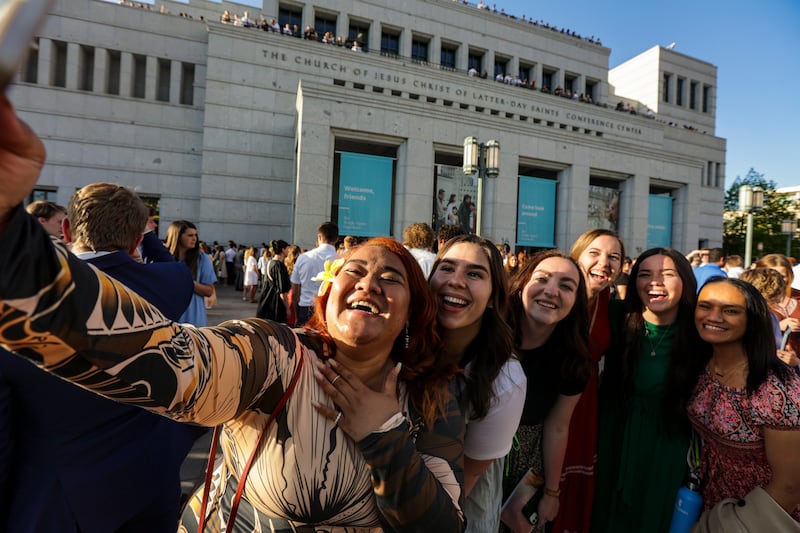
(693, 95)
(187, 83)
(667, 86)
(591, 90)
(679, 91)
(47, 195)
(501, 66)
(359, 32)
(525, 72)
(570, 82)
(59, 72)
(419, 50)
(153, 206)
(139, 76)
(448, 55)
(710, 174)
(30, 69)
(706, 98)
(291, 15)
(718, 179)
(547, 80)
(475, 60)
(163, 79)
(324, 23)
(86, 68)
(112, 71)
(390, 43)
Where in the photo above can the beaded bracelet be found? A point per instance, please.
(553, 493)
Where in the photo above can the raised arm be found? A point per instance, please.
(153, 250)
(781, 447)
(21, 159)
(554, 446)
(417, 486)
(80, 324)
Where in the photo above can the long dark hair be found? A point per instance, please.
(570, 338)
(758, 339)
(190, 257)
(427, 382)
(493, 345)
(277, 246)
(685, 359)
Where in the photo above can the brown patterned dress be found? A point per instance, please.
(308, 476)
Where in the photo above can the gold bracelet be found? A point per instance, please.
(553, 493)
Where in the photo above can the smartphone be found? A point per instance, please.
(785, 339)
(19, 21)
(531, 509)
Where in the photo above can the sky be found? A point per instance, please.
(754, 45)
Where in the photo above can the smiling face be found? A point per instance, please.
(721, 314)
(660, 289)
(462, 286)
(369, 301)
(601, 261)
(549, 295)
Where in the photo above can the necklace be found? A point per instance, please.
(730, 371)
(657, 345)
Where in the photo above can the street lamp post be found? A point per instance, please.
(751, 201)
(789, 228)
(485, 160)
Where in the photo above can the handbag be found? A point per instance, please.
(246, 470)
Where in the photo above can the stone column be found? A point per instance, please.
(100, 70)
(151, 78)
(572, 204)
(175, 75)
(44, 69)
(73, 65)
(126, 74)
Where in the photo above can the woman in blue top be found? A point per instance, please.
(184, 246)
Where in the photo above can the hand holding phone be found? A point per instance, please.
(19, 21)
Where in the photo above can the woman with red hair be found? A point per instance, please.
(381, 448)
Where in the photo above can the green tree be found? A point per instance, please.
(766, 224)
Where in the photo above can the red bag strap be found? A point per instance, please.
(213, 452)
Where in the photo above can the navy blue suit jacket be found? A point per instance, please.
(74, 461)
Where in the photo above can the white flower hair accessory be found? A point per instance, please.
(327, 276)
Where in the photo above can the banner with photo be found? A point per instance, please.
(659, 221)
(456, 199)
(603, 208)
(365, 194)
(536, 212)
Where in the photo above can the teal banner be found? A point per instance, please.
(536, 212)
(365, 194)
(659, 221)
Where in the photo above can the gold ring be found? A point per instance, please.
(334, 379)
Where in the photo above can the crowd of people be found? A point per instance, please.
(440, 383)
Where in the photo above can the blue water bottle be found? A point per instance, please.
(688, 506)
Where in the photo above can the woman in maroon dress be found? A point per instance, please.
(599, 252)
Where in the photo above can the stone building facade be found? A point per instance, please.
(256, 135)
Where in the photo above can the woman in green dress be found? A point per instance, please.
(648, 377)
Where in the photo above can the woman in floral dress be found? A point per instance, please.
(746, 404)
